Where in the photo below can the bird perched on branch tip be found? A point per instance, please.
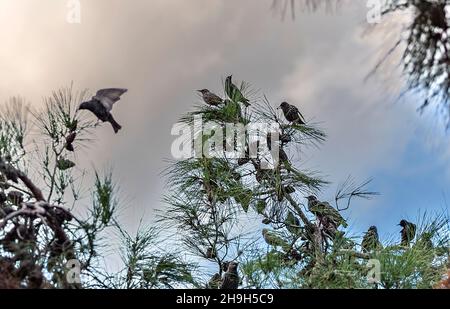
(408, 232)
(324, 209)
(102, 103)
(371, 240)
(234, 93)
(291, 113)
(210, 98)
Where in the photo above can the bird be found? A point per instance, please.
(324, 209)
(291, 113)
(230, 279)
(408, 232)
(371, 240)
(102, 103)
(274, 240)
(234, 93)
(210, 98)
(328, 217)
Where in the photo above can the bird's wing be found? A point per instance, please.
(331, 212)
(109, 96)
(216, 97)
(297, 111)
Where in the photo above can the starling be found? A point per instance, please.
(291, 113)
(230, 279)
(210, 98)
(69, 141)
(234, 93)
(408, 232)
(323, 210)
(370, 240)
(102, 103)
(274, 240)
(214, 282)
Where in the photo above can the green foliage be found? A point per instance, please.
(39, 233)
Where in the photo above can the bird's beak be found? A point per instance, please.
(199, 91)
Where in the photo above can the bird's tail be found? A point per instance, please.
(114, 124)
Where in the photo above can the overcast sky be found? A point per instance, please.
(162, 50)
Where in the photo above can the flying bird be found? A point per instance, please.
(234, 93)
(371, 240)
(230, 279)
(210, 98)
(408, 232)
(291, 113)
(102, 103)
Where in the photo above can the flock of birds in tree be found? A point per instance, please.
(329, 218)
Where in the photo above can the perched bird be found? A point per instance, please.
(231, 279)
(210, 98)
(274, 240)
(291, 113)
(328, 217)
(234, 93)
(102, 103)
(408, 232)
(69, 141)
(371, 240)
(324, 209)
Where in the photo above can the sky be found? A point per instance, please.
(163, 50)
